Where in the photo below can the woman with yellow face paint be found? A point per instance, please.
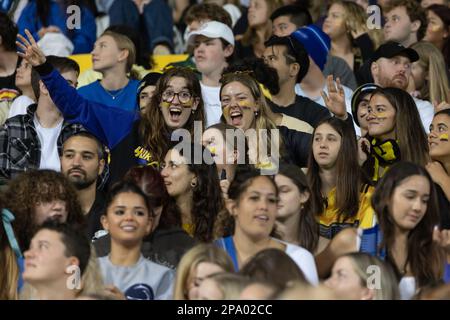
(439, 167)
(225, 151)
(244, 106)
(133, 138)
(395, 132)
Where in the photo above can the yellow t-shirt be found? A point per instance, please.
(330, 224)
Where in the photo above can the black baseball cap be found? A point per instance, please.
(358, 95)
(150, 79)
(391, 49)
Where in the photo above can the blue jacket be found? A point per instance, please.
(83, 39)
(116, 128)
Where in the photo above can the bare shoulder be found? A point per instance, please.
(345, 240)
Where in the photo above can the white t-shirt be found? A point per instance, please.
(406, 286)
(348, 100)
(211, 100)
(49, 147)
(19, 106)
(305, 261)
(426, 111)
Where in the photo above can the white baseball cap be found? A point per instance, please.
(213, 29)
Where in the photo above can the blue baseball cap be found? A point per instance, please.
(316, 42)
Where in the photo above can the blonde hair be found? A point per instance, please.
(388, 281)
(437, 86)
(297, 290)
(125, 43)
(91, 281)
(229, 284)
(262, 120)
(250, 37)
(9, 274)
(190, 261)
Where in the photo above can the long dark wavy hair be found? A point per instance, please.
(424, 256)
(207, 201)
(152, 128)
(349, 176)
(37, 186)
(152, 184)
(308, 229)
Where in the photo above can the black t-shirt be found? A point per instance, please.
(8, 89)
(93, 216)
(303, 109)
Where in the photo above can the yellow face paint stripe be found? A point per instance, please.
(166, 104)
(380, 115)
(443, 137)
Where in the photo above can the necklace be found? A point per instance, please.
(114, 96)
(114, 93)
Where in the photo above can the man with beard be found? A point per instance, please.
(391, 67)
(82, 162)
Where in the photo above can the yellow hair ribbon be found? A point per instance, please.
(265, 91)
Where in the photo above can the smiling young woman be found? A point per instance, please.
(253, 200)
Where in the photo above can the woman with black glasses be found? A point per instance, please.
(133, 138)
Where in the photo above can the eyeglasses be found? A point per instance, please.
(183, 96)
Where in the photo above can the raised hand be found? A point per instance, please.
(30, 50)
(335, 100)
(363, 150)
(114, 292)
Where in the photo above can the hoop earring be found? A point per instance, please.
(193, 184)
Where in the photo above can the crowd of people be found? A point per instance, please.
(297, 152)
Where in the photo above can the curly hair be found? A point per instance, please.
(207, 200)
(39, 186)
(152, 128)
